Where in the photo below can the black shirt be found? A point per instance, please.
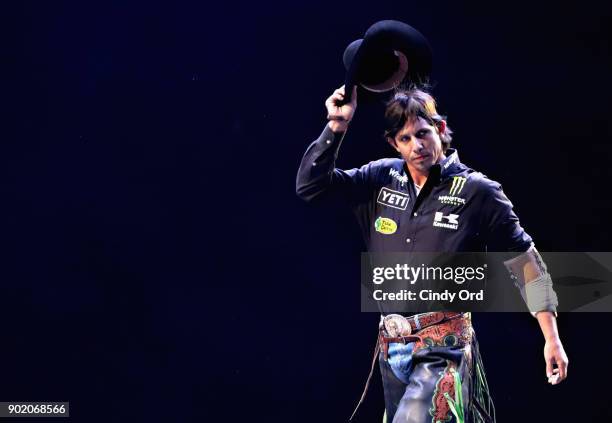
(458, 209)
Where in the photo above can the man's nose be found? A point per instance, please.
(417, 143)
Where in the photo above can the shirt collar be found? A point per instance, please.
(451, 165)
(447, 167)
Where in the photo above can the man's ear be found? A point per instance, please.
(392, 143)
(441, 127)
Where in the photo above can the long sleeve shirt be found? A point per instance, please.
(458, 209)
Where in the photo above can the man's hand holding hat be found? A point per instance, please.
(340, 114)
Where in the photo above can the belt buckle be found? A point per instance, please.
(397, 325)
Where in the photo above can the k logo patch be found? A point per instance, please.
(449, 221)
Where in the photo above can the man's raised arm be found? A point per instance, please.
(318, 164)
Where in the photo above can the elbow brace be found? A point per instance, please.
(533, 281)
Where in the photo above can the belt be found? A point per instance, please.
(400, 329)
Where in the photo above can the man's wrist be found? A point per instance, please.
(548, 324)
(338, 126)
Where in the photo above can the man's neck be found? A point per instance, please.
(419, 177)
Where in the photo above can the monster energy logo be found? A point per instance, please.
(458, 184)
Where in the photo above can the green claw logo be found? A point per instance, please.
(458, 184)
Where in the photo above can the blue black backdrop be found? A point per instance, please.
(156, 264)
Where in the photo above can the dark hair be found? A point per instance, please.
(408, 104)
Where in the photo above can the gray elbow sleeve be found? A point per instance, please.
(539, 295)
(537, 291)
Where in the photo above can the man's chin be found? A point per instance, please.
(422, 166)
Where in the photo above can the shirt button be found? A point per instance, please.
(314, 163)
(415, 214)
(328, 141)
(408, 240)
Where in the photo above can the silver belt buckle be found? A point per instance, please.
(397, 325)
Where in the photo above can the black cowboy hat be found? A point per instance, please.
(390, 53)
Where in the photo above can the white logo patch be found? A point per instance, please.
(403, 179)
(395, 199)
(451, 221)
(454, 201)
(451, 159)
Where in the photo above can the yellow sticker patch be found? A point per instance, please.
(385, 225)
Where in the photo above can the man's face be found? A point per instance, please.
(419, 144)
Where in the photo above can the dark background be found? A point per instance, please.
(156, 263)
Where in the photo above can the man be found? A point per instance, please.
(430, 363)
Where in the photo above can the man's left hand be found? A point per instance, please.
(555, 354)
